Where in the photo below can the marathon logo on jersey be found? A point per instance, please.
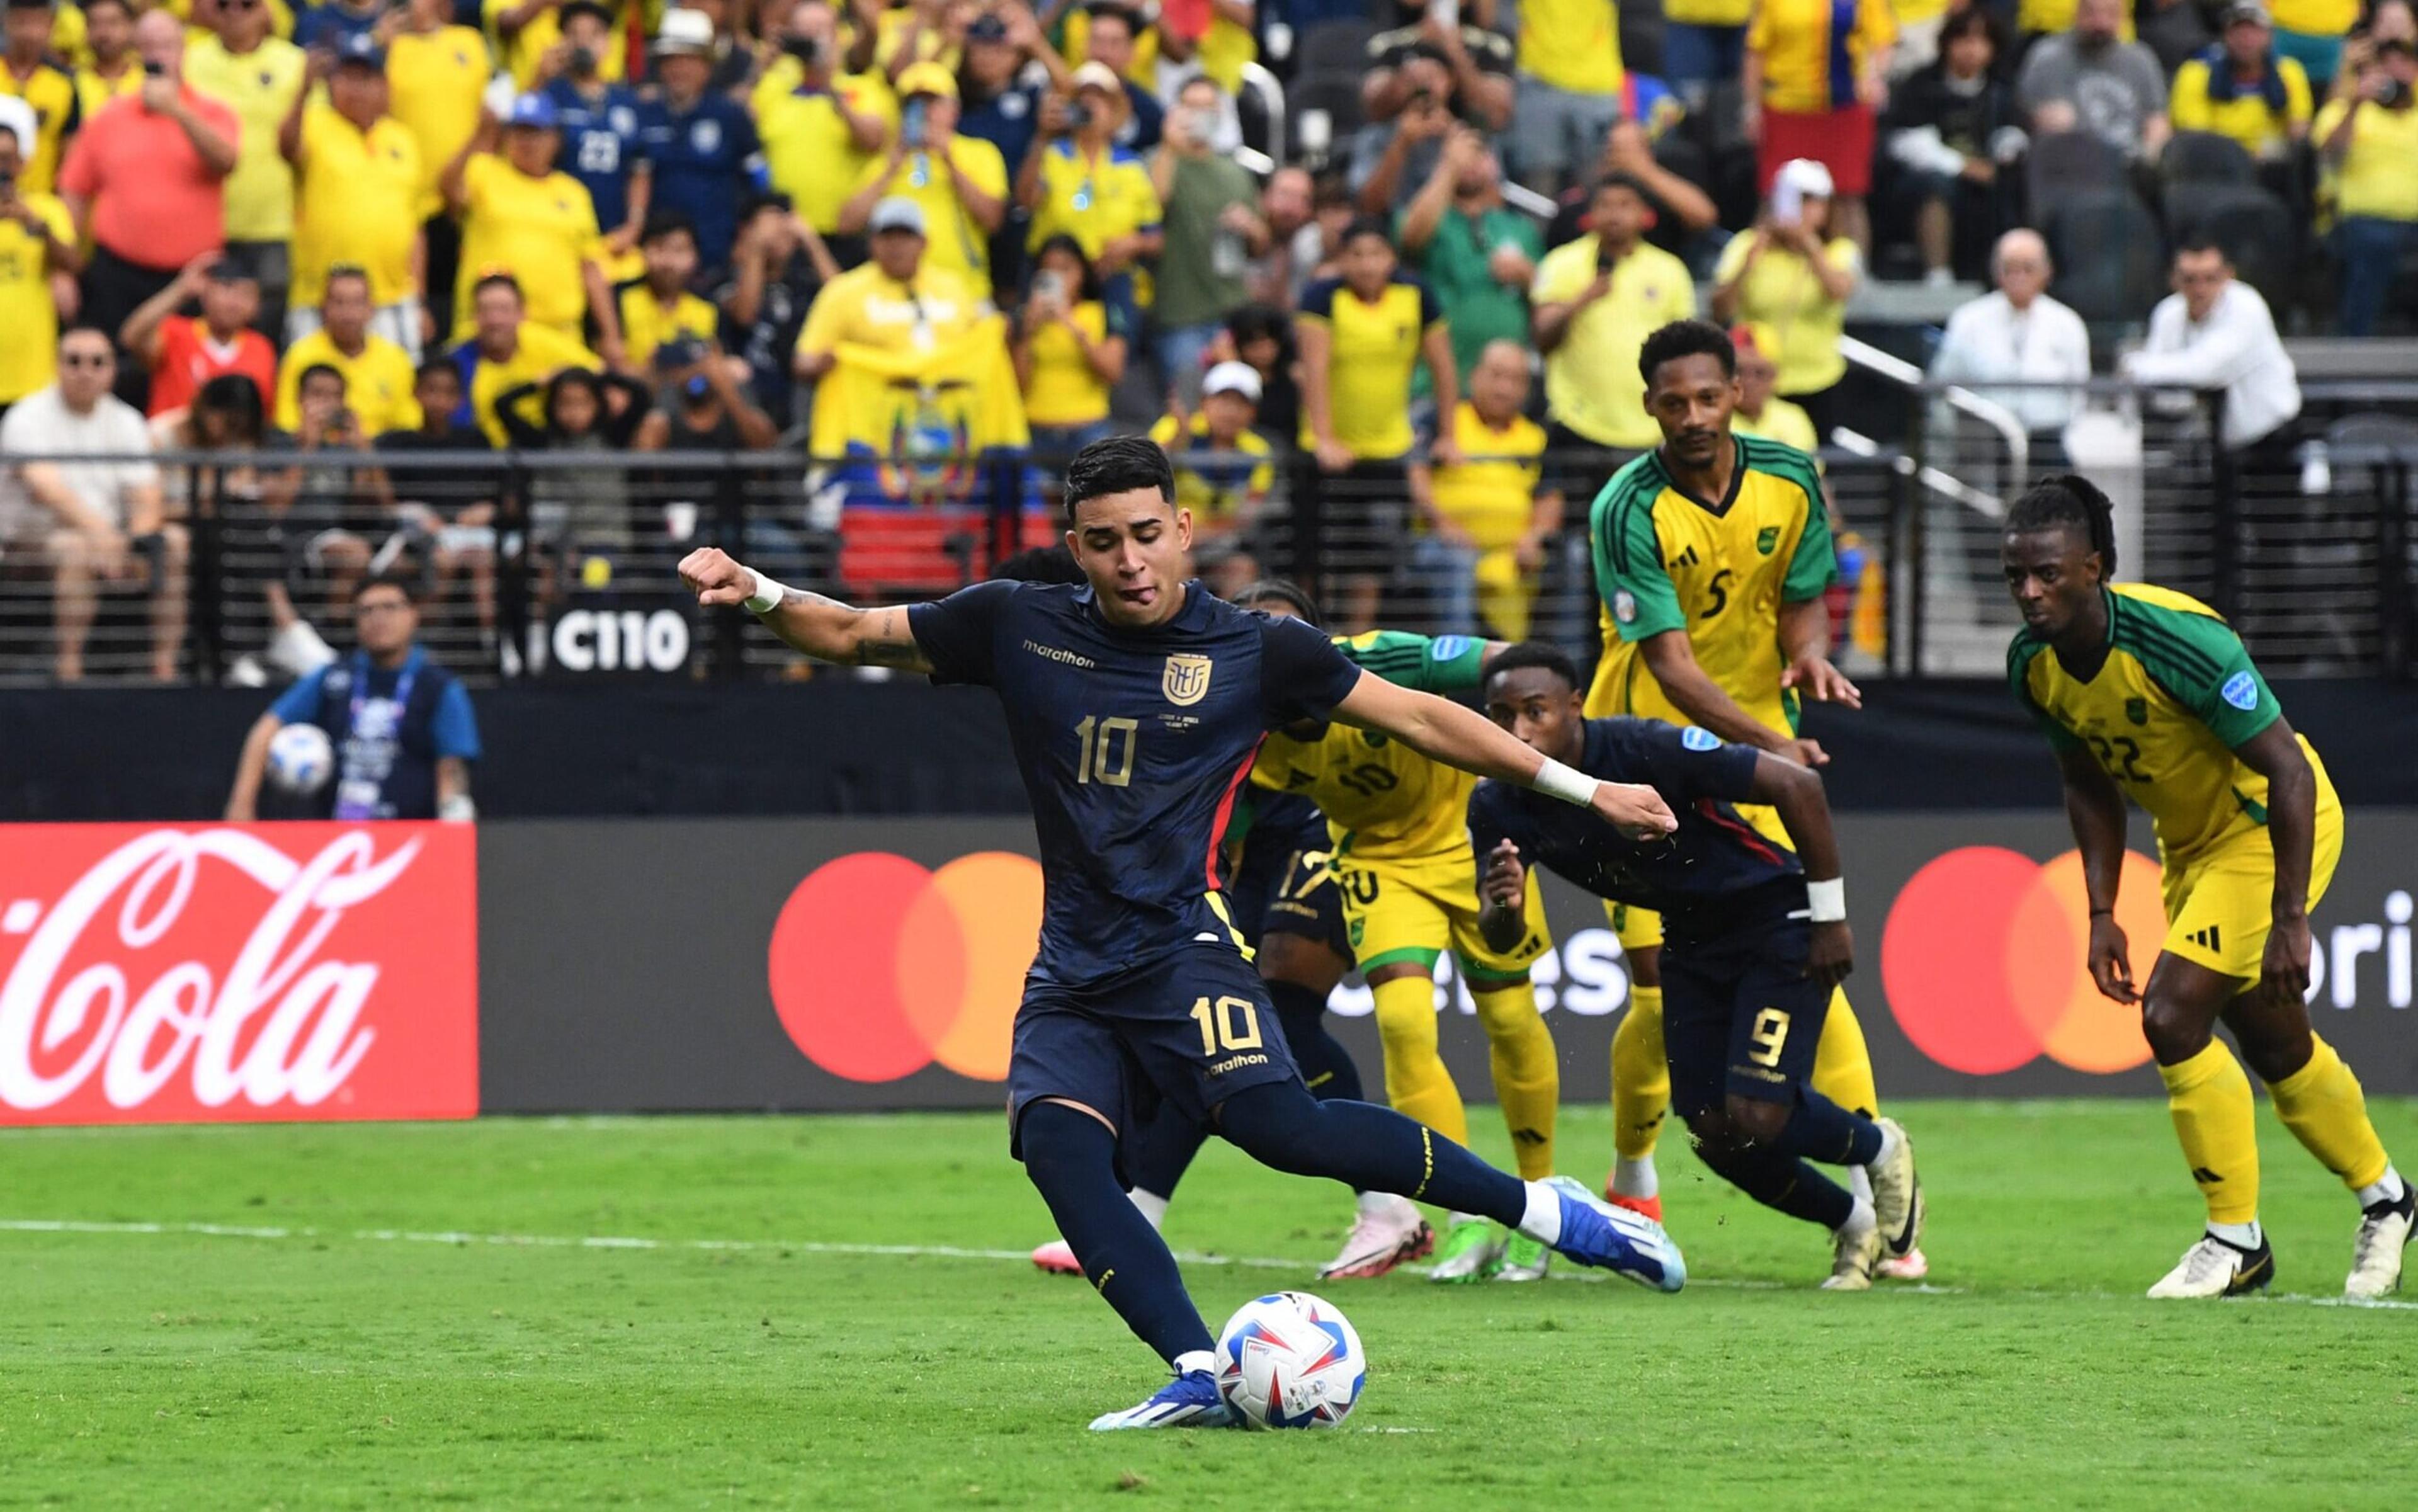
(1185, 681)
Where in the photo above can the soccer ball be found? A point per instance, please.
(1289, 1360)
(300, 759)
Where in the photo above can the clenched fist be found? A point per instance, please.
(715, 578)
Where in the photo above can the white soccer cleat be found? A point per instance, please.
(1897, 1195)
(1911, 1266)
(1853, 1255)
(2213, 1268)
(2375, 1255)
(1382, 1237)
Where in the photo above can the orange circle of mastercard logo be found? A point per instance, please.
(1986, 961)
(880, 967)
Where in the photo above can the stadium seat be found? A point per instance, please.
(891, 552)
(2067, 162)
(2252, 227)
(1333, 47)
(1337, 95)
(2205, 158)
(2110, 258)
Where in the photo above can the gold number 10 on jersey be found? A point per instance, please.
(1232, 1024)
(1107, 754)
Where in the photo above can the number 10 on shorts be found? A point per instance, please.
(1229, 1024)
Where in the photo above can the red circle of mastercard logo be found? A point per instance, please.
(1986, 961)
(879, 968)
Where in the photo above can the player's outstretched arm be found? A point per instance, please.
(1444, 732)
(2095, 805)
(2293, 831)
(822, 628)
(1804, 811)
(1673, 661)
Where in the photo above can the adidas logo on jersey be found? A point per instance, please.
(1685, 558)
(2207, 939)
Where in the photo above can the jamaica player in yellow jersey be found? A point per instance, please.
(1711, 554)
(1408, 881)
(2147, 694)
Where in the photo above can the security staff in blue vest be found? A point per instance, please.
(401, 725)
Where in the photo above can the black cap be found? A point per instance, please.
(583, 8)
(986, 28)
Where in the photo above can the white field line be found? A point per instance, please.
(461, 1238)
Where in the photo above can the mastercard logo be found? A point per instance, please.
(1984, 959)
(880, 966)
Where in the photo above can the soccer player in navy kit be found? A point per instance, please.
(1755, 939)
(1136, 704)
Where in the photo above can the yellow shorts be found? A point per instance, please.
(2221, 905)
(1642, 928)
(1416, 910)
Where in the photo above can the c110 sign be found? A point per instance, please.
(220, 973)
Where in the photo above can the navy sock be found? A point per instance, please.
(1326, 1067)
(1370, 1149)
(1162, 1149)
(1821, 1130)
(1071, 1158)
(1779, 1180)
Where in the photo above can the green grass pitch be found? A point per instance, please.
(702, 1312)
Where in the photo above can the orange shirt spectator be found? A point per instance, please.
(184, 352)
(155, 194)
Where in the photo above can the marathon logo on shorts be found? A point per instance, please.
(1185, 681)
(1236, 1062)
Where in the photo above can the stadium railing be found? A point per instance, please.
(540, 564)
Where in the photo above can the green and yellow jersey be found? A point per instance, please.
(1383, 800)
(1718, 569)
(2177, 695)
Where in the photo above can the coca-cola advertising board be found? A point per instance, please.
(218, 973)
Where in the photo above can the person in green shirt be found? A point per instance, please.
(1475, 251)
(1210, 208)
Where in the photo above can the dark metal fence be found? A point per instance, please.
(543, 564)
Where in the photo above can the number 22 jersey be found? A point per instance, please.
(1132, 744)
(2163, 715)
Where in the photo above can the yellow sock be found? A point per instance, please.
(1417, 1082)
(2210, 1099)
(1641, 1077)
(1843, 1068)
(2321, 1104)
(1528, 1074)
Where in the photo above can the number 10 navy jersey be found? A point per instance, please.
(1132, 744)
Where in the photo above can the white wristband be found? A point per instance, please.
(1568, 783)
(1828, 900)
(767, 597)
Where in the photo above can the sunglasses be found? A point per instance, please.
(85, 359)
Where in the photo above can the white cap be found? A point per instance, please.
(1098, 75)
(18, 117)
(896, 213)
(1233, 378)
(682, 30)
(1808, 179)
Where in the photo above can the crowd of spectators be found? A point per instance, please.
(407, 227)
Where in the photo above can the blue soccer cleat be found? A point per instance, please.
(1593, 1232)
(1190, 1400)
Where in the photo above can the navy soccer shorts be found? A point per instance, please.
(1190, 1028)
(1740, 1015)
